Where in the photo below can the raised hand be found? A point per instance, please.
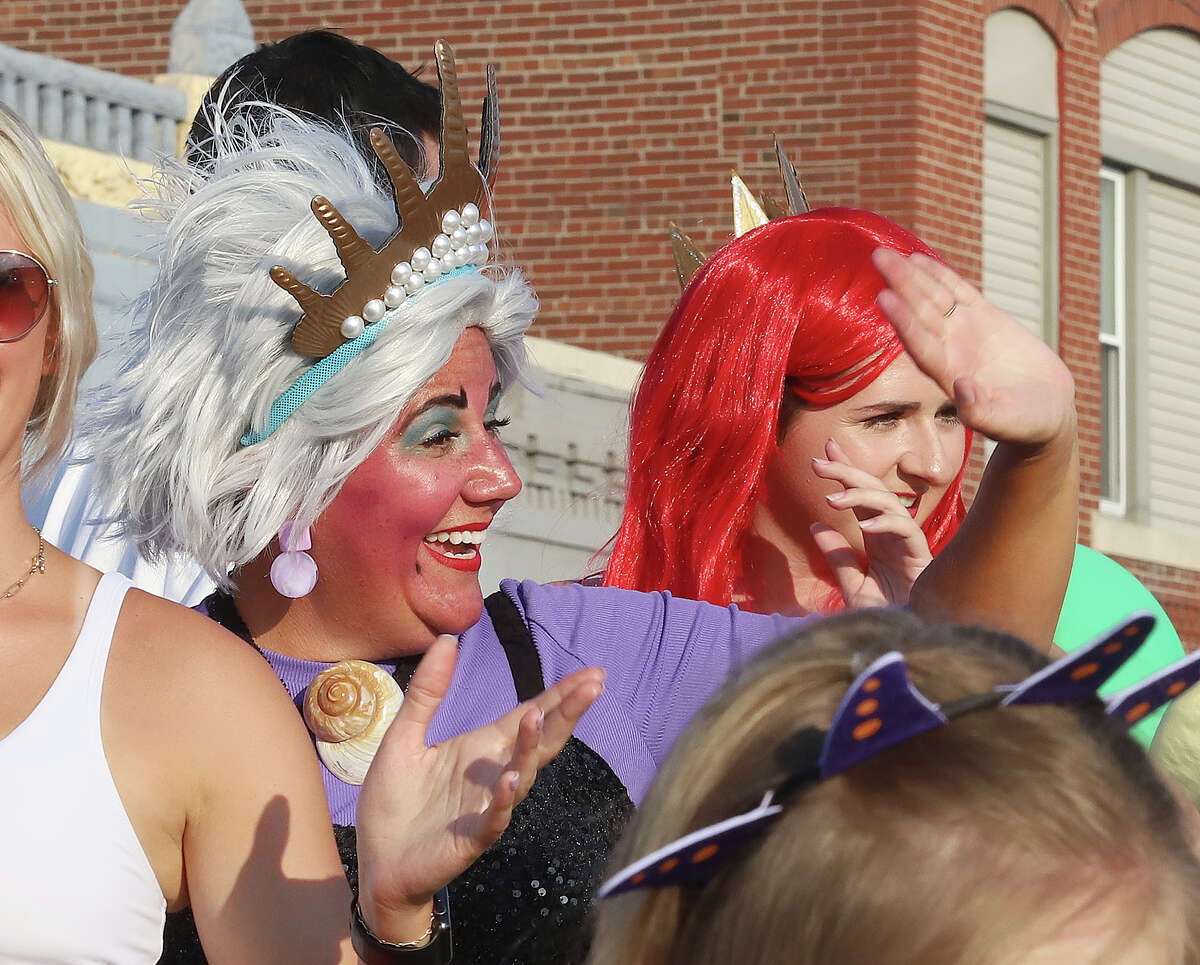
(1007, 383)
(896, 549)
(426, 813)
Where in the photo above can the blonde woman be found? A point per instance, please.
(150, 759)
(1012, 834)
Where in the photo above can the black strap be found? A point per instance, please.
(519, 648)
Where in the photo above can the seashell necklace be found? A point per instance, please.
(39, 566)
(349, 707)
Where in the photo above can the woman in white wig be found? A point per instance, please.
(150, 759)
(311, 412)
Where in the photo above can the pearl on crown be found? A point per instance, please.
(463, 242)
(373, 310)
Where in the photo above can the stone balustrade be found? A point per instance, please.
(97, 109)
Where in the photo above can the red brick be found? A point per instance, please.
(622, 116)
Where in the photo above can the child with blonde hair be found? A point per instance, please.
(950, 814)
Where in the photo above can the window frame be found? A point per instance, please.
(1118, 342)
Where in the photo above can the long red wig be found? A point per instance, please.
(789, 306)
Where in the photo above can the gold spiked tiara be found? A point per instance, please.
(437, 232)
(748, 212)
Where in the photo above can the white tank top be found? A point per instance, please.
(75, 884)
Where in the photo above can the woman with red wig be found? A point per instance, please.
(787, 455)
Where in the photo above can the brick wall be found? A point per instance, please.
(622, 115)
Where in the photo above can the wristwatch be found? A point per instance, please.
(439, 950)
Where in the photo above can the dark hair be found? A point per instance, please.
(329, 77)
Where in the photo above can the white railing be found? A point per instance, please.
(92, 108)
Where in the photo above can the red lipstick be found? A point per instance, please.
(465, 564)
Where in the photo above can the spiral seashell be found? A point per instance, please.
(349, 707)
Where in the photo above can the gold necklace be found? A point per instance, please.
(39, 566)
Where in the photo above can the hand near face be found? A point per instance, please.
(426, 813)
(1007, 383)
(896, 548)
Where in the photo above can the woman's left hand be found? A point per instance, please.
(1008, 564)
(1007, 383)
(426, 813)
(896, 549)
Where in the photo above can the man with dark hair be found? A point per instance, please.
(328, 76)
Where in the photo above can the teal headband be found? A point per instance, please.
(303, 388)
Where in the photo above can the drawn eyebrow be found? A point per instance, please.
(494, 392)
(454, 401)
(881, 408)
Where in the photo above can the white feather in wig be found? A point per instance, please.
(210, 349)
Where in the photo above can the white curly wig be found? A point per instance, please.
(210, 351)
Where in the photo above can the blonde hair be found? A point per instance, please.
(972, 843)
(36, 202)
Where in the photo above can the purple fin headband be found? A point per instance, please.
(881, 709)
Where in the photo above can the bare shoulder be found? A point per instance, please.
(207, 695)
(195, 699)
(185, 650)
(200, 735)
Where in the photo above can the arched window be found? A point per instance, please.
(1020, 147)
(1150, 260)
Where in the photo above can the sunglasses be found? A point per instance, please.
(24, 294)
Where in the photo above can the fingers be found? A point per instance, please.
(495, 817)
(427, 688)
(942, 278)
(524, 761)
(847, 570)
(870, 502)
(561, 720)
(918, 339)
(903, 528)
(551, 697)
(843, 472)
(911, 279)
(561, 705)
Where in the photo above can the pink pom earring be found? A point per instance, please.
(294, 572)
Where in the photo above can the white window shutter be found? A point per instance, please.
(1015, 255)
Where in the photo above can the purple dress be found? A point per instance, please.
(664, 657)
(526, 899)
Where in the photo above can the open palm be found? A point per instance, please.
(426, 813)
(1006, 382)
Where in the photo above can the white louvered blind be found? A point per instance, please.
(1015, 255)
(1149, 91)
(1173, 353)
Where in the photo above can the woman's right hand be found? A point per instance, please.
(426, 813)
(897, 551)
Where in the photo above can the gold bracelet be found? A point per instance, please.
(419, 943)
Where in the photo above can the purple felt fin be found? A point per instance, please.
(694, 857)
(1134, 703)
(1079, 675)
(881, 708)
